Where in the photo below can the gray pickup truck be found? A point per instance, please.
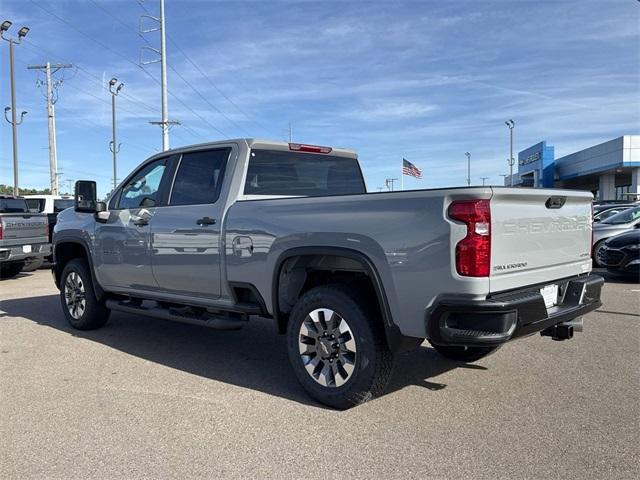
(24, 236)
(216, 233)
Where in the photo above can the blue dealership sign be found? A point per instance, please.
(536, 165)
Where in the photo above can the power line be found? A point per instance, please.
(106, 47)
(206, 77)
(196, 91)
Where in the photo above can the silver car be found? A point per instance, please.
(618, 223)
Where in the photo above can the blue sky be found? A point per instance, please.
(423, 80)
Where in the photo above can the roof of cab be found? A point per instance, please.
(261, 144)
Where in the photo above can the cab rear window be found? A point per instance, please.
(13, 205)
(282, 173)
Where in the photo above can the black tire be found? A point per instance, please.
(372, 365)
(33, 264)
(10, 270)
(464, 354)
(596, 247)
(94, 314)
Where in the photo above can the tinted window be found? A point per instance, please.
(35, 204)
(199, 177)
(626, 216)
(13, 205)
(62, 204)
(143, 188)
(302, 174)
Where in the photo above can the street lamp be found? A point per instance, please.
(113, 146)
(468, 168)
(4, 27)
(484, 179)
(504, 178)
(510, 124)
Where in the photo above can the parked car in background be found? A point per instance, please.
(52, 205)
(614, 225)
(603, 212)
(621, 253)
(24, 236)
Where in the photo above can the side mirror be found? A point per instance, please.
(85, 198)
(101, 214)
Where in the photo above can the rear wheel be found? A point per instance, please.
(33, 264)
(10, 270)
(337, 347)
(462, 353)
(78, 299)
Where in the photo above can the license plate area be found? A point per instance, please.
(550, 295)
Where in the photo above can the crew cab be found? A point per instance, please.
(217, 233)
(24, 236)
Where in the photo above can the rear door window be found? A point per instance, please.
(281, 173)
(199, 177)
(62, 204)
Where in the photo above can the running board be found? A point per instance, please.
(177, 314)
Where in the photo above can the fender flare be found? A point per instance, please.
(57, 270)
(396, 341)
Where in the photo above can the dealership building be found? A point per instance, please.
(611, 170)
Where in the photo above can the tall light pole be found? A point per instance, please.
(113, 146)
(468, 168)
(484, 179)
(14, 121)
(510, 124)
(504, 178)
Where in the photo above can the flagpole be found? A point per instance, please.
(402, 175)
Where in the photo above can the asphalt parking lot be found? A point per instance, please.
(149, 398)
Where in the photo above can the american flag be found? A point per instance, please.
(410, 169)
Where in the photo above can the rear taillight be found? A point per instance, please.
(473, 252)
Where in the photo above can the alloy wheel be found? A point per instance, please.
(327, 347)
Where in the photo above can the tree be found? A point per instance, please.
(8, 190)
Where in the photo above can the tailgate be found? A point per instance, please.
(22, 228)
(538, 235)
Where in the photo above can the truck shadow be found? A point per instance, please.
(254, 357)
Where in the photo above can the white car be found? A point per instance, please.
(51, 205)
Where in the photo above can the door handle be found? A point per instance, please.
(204, 221)
(140, 222)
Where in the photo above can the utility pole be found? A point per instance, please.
(113, 146)
(483, 180)
(468, 168)
(510, 124)
(389, 183)
(51, 119)
(164, 123)
(14, 121)
(290, 133)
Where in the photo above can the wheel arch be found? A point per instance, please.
(67, 250)
(323, 259)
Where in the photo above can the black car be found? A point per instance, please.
(621, 253)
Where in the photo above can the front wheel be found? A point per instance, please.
(464, 354)
(596, 253)
(337, 347)
(77, 296)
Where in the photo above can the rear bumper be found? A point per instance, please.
(505, 316)
(16, 253)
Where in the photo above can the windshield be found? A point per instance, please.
(61, 204)
(621, 218)
(13, 205)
